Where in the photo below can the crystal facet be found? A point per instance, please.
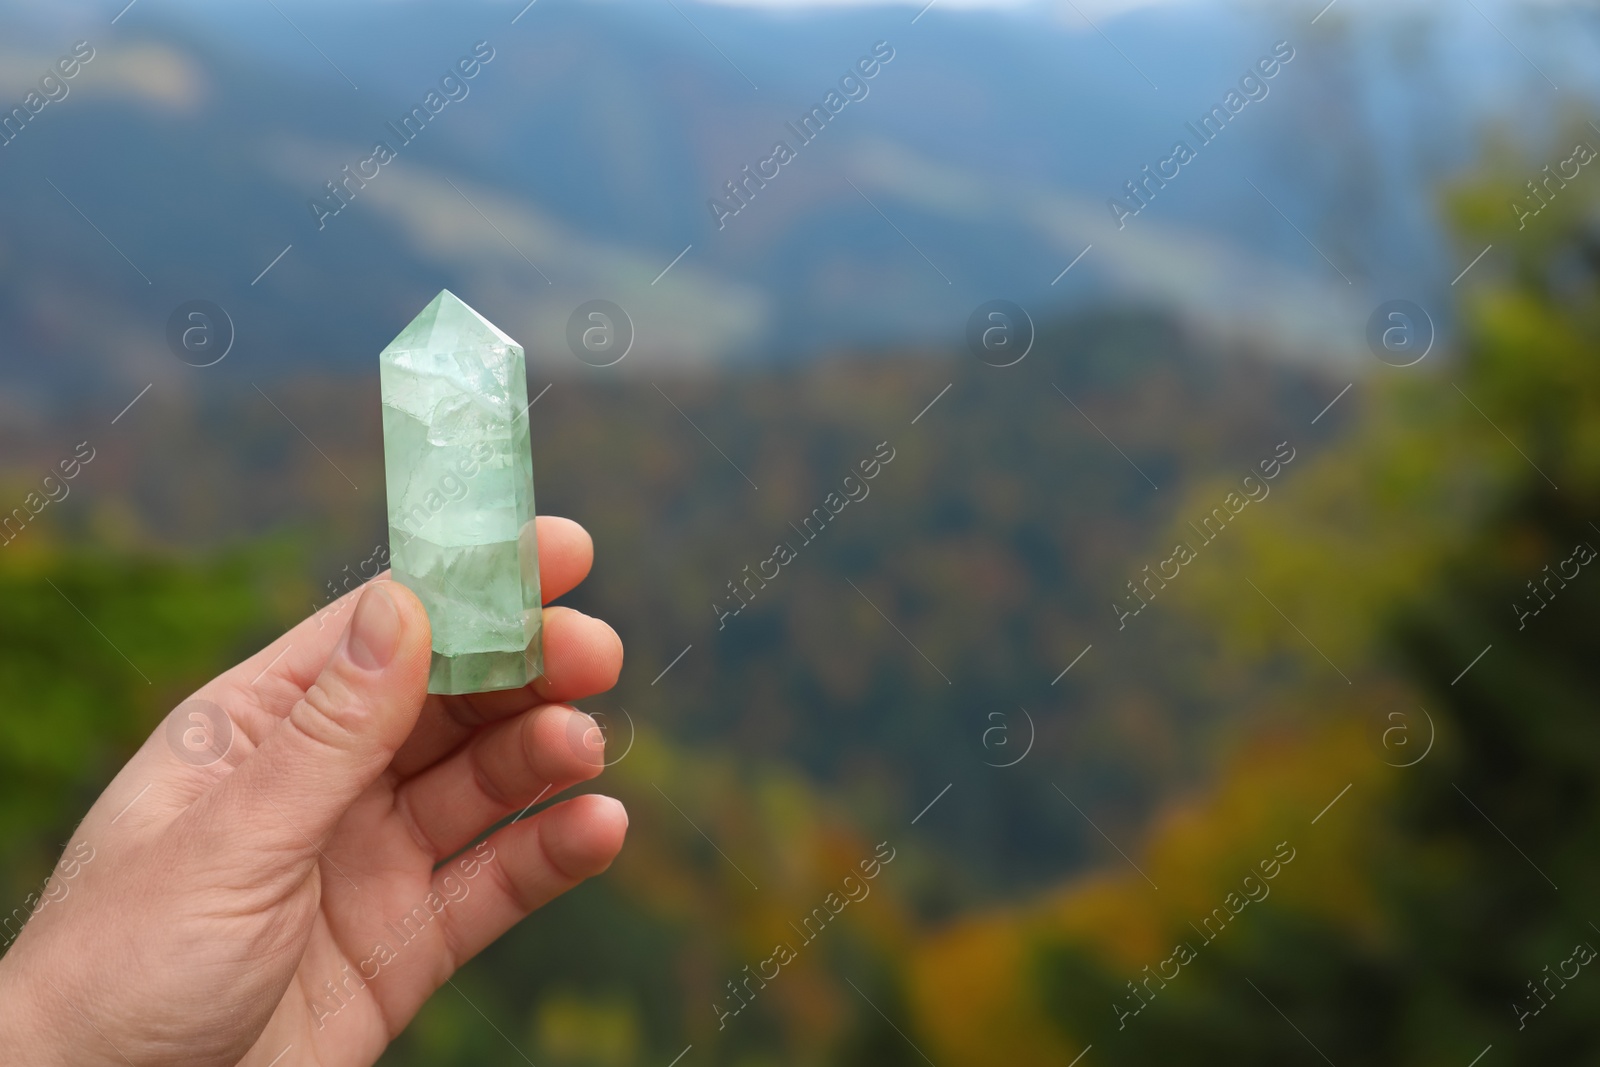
(459, 471)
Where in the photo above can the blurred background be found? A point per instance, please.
(1188, 652)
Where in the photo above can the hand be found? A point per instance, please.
(285, 903)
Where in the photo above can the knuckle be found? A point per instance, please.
(522, 895)
(565, 876)
(489, 784)
(338, 719)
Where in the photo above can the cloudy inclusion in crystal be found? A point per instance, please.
(459, 472)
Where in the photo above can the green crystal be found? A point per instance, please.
(459, 471)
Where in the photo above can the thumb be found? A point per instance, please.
(336, 741)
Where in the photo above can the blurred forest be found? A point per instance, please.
(1340, 690)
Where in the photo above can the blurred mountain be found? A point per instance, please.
(182, 162)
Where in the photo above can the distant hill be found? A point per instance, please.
(580, 161)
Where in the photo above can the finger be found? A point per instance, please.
(504, 768)
(582, 657)
(285, 798)
(525, 866)
(281, 672)
(566, 552)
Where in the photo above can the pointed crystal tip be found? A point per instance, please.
(448, 322)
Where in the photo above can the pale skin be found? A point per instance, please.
(220, 899)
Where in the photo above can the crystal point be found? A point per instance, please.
(459, 471)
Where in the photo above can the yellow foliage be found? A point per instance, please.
(974, 988)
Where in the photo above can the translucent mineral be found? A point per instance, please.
(459, 472)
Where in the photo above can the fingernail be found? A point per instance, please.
(375, 630)
(594, 738)
(616, 804)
